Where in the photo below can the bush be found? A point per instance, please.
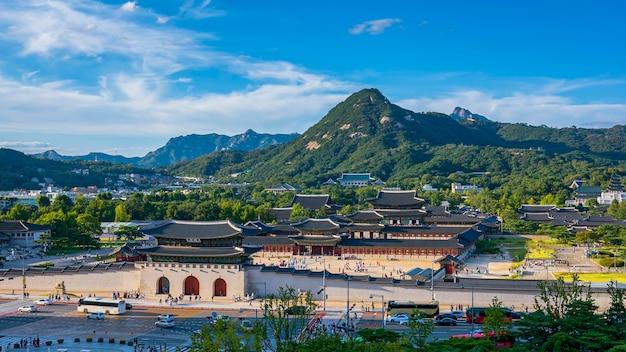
(100, 339)
(60, 340)
(130, 343)
(44, 265)
(111, 340)
(122, 341)
(48, 343)
(76, 339)
(89, 339)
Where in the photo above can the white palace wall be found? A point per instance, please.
(242, 280)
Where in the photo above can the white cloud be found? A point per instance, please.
(374, 27)
(129, 6)
(162, 19)
(531, 108)
(198, 10)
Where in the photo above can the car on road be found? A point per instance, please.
(459, 314)
(95, 316)
(129, 306)
(43, 302)
(27, 309)
(513, 313)
(165, 317)
(397, 317)
(246, 325)
(164, 324)
(296, 310)
(447, 321)
(477, 332)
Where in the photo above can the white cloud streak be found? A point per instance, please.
(374, 27)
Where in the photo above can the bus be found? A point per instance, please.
(477, 314)
(99, 305)
(430, 309)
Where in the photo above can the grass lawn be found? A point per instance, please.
(594, 277)
(540, 253)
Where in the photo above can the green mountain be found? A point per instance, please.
(183, 148)
(21, 171)
(367, 133)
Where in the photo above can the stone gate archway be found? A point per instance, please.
(163, 285)
(192, 286)
(219, 288)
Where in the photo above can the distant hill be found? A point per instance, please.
(183, 148)
(463, 114)
(367, 133)
(21, 171)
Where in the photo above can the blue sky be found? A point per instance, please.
(123, 77)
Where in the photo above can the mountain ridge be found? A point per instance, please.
(183, 148)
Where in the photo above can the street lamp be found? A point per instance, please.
(432, 280)
(348, 279)
(324, 281)
(382, 309)
(23, 277)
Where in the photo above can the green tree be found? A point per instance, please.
(120, 214)
(299, 213)
(20, 212)
(281, 331)
(495, 320)
(130, 233)
(419, 330)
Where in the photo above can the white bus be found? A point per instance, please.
(99, 305)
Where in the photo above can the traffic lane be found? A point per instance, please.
(440, 332)
(62, 320)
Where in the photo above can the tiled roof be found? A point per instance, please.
(195, 229)
(533, 208)
(365, 215)
(21, 226)
(316, 225)
(401, 212)
(354, 177)
(192, 251)
(393, 199)
(312, 201)
(281, 213)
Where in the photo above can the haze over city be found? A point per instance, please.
(122, 77)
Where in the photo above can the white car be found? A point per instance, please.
(397, 317)
(164, 324)
(165, 317)
(459, 314)
(43, 302)
(247, 325)
(27, 309)
(96, 316)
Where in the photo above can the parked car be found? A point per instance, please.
(165, 317)
(246, 325)
(397, 317)
(27, 309)
(459, 314)
(95, 316)
(43, 302)
(296, 310)
(129, 306)
(164, 324)
(439, 321)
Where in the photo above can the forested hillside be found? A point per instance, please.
(367, 133)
